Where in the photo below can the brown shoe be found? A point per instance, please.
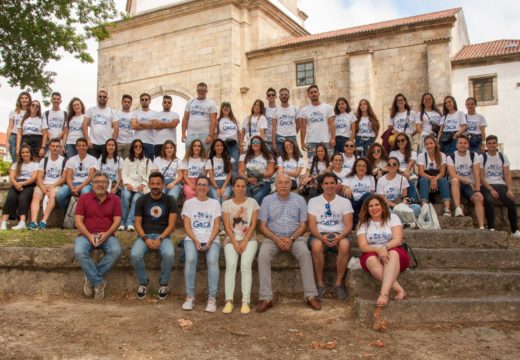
(313, 303)
(263, 306)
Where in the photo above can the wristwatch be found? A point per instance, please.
(160, 238)
(145, 238)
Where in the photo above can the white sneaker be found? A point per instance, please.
(188, 304)
(121, 228)
(3, 225)
(459, 212)
(516, 234)
(130, 228)
(20, 226)
(212, 305)
(446, 212)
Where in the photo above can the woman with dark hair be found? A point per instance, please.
(429, 119)
(359, 185)
(168, 165)
(367, 128)
(136, 169)
(291, 162)
(220, 169)
(111, 164)
(32, 130)
(254, 124)
(377, 159)
(193, 166)
(73, 126)
(476, 126)
(316, 166)
(22, 176)
(453, 124)
(257, 166)
(379, 237)
(402, 117)
(402, 150)
(349, 155)
(229, 131)
(345, 121)
(336, 167)
(15, 116)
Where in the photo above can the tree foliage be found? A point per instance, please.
(33, 32)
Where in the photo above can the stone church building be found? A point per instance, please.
(242, 47)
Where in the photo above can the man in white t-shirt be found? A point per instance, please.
(165, 126)
(270, 114)
(142, 123)
(102, 123)
(55, 119)
(317, 124)
(124, 127)
(330, 222)
(287, 122)
(200, 118)
(497, 185)
(49, 180)
(464, 171)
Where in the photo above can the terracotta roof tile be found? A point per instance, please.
(487, 50)
(362, 29)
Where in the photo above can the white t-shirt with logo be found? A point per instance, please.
(166, 167)
(54, 122)
(404, 122)
(391, 189)
(256, 163)
(75, 129)
(453, 122)
(202, 215)
(494, 169)
(53, 170)
(475, 122)
(144, 117)
(218, 167)
(26, 170)
(126, 133)
(199, 120)
(344, 124)
(111, 168)
(429, 118)
(101, 124)
(257, 123)
(194, 166)
(365, 128)
(160, 136)
(270, 114)
(317, 122)
(402, 163)
(348, 162)
(378, 234)
(32, 126)
(318, 169)
(80, 168)
(17, 117)
(227, 129)
(286, 120)
(291, 164)
(430, 163)
(359, 187)
(342, 175)
(329, 221)
(463, 165)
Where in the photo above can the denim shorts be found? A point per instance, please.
(467, 191)
(326, 249)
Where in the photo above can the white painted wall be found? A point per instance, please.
(504, 118)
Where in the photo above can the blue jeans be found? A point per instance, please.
(259, 192)
(234, 152)
(12, 146)
(412, 191)
(226, 195)
(128, 200)
(190, 267)
(148, 151)
(165, 250)
(63, 195)
(174, 192)
(449, 147)
(279, 142)
(201, 137)
(362, 145)
(70, 151)
(94, 273)
(424, 189)
(340, 144)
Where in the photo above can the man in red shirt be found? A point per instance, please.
(97, 217)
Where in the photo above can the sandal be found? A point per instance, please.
(382, 303)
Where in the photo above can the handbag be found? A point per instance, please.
(413, 264)
(405, 213)
(428, 219)
(447, 136)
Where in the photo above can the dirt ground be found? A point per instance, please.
(32, 328)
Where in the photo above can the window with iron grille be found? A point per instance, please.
(305, 74)
(484, 89)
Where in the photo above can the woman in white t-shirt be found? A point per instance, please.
(367, 127)
(73, 129)
(359, 185)
(193, 165)
(254, 124)
(340, 172)
(349, 155)
(15, 116)
(402, 117)
(344, 120)
(291, 162)
(377, 160)
(429, 119)
(32, 130)
(229, 131)
(432, 174)
(476, 127)
(112, 165)
(22, 176)
(316, 166)
(240, 215)
(168, 165)
(220, 169)
(402, 150)
(453, 124)
(379, 237)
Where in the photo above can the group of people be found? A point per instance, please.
(60, 154)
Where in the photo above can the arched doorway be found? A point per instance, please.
(179, 103)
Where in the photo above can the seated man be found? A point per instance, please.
(283, 217)
(330, 222)
(497, 185)
(49, 180)
(464, 170)
(155, 216)
(79, 170)
(98, 214)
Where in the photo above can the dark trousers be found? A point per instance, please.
(490, 202)
(35, 142)
(157, 150)
(356, 206)
(17, 202)
(96, 151)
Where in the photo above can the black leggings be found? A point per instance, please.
(35, 142)
(17, 202)
(490, 202)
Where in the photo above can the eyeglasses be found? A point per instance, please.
(100, 182)
(271, 95)
(257, 142)
(328, 212)
(393, 164)
(203, 185)
(35, 105)
(401, 141)
(349, 145)
(102, 97)
(137, 146)
(144, 100)
(376, 151)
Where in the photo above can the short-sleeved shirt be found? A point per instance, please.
(194, 166)
(377, 233)
(144, 117)
(256, 163)
(320, 167)
(343, 123)
(453, 122)
(494, 168)
(98, 217)
(160, 136)
(126, 133)
(227, 129)
(428, 119)
(391, 189)
(75, 129)
(199, 120)
(283, 216)
(400, 156)
(202, 216)
(80, 168)
(166, 167)
(53, 170)
(317, 122)
(218, 167)
(291, 164)
(32, 126)
(155, 212)
(475, 122)
(270, 114)
(111, 167)
(240, 217)
(17, 117)
(404, 121)
(252, 127)
(428, 163)
(286, 120)
(26, 170)
(54, 122)
(341, 175)
(365, 128)
(463, 165)
(359, 187)
(100, 124)
(330, 218)
(348, 162)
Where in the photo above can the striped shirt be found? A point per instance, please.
(283, 216)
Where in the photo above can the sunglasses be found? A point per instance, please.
(257, 142)
(328, 212)
(102, 97)
(400, 141)
(35, 105)
(203, 185)
(349, 145)
(271, 95)
(376, 151)
(393, 164)
(431, 164)
(145, 99)
(138, 146)
(80, 166)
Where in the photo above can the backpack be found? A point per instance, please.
(485, 157)
(46, 161)
(68, 219)
(471, 155)
(64, 118)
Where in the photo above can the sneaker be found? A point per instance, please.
(141, 291)
(446, 212)
(3, 226)
(228, 308)
(459, 212)
(188, 304)
(321, 292)
(88, 289)
(492, 229)
(43, 225)
(121, 228)
(516, 234)
(32, 226)
(245, 309)
(163, 292)
(99, 291)
(212, 305)
(130, 228)
(19, 226)
(341, 292)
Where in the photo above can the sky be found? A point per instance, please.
(486, 21)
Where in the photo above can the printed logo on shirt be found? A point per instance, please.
(100, 120)
(463, 170)
(286, 120)
(125, 123)
(156, 211)
(494, 170)
(202, 220)
(316, 117)
(198, 110)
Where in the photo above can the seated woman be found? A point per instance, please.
(22, 176)
(168, 165)
(257, 166)
(316, 166)
(379, 237)
(359, 185)
(193, 166)
(111, 164)
(349, 155)
(220, 169)
(402, 150)
(377, 160)
(291, 162)
(432, 172)
(340, 172)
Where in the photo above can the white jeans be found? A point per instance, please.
(246, 263)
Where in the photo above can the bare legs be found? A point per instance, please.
(318, 260)
(387, 274)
